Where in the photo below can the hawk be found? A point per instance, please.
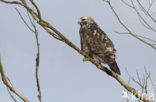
(96, 43)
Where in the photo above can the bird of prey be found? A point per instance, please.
(96, 43)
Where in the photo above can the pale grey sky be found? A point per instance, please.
(64, 77)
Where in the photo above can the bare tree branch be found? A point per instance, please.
(34, 30)
(38, 11)
(146, 11)
(146, 38)
(11, 95)
(143, 82)
(50, 28)
(24, 21)
(128, 30)
(142, 19)
(37, 62)
(127, 4)
(150, 5)
(8, 84)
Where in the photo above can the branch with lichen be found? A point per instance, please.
(36, 15)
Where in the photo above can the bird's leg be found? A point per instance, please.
(99, 66)
(97, 59)
(86, 58)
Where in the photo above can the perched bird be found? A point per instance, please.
(96, 43)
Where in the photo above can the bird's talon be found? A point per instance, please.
(85, 59)
(99, 66)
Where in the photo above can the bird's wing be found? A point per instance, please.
(100, 44)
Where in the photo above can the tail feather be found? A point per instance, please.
(114, 67)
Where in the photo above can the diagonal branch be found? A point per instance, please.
(143, 37)
(145, 11)
(128, 30)
(141, 18)
(8, 84)
(50, 28)
(11, 95)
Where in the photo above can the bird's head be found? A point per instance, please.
(85, 20)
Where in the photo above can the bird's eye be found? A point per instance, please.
(83, 19)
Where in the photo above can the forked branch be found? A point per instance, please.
(56, 34)
(35, 31)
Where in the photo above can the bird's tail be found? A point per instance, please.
(114, 67)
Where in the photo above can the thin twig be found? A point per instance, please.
(45, 24)
(127, 4)
(146, 38)
(138, 81)
(129, 31)
(11, 95)
(145, 11)
(34, 30)
(37, 63)
(150, 5)
(24, 20)
(149, 39)
(142, 82)
(140, 16)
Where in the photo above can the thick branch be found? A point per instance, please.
(46, 25)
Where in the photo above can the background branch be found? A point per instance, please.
(143, 82)
(8, 84)
(11, 95)
(51, 30)
(126, 28)
(34, 30)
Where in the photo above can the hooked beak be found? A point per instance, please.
(79, 21)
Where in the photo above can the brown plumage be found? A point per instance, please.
(96, 44)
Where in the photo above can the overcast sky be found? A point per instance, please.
(64, 77)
